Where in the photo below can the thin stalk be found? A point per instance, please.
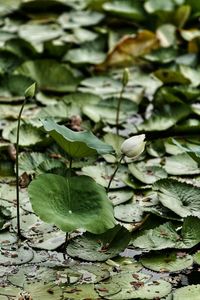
(17, 169)
(114, 173)
(118, 108)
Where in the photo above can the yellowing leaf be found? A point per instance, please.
(129, 48)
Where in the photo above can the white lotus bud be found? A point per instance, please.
(133, 146)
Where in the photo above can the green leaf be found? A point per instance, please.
(29, 135)
(147, 174)
(171, 262)
(187, 292)
(181, 198)
(167, 236)
(76, 144)
(102, 173)
(83, 291)
(171, 76)
(50, 75)
(131, 212)
(132, 10)
(196, 257)
(40, 290)
(181, 164)
(153, 6)
(71, 203)
(99, 247)
(161, 237)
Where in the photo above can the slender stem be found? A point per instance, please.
(118, 108)
(70, 164)
(17, 169)
(114, 173)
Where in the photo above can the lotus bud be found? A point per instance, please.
(30, 91)
(133, 146)
(125, 77)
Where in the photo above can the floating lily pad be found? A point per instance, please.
(150, 290)
(102, 173)
(147, 174)
(76, 144)
(172, 262)
(196, 257)
(83, 291)
(128, 212)
(187, 292)
(130, 10)
(39, 290)
(181, 164)
(119, 197)
(65, 202)
(29, 135)
(181, 198)
(15, 256)
(9, 291)
(50, 75)
(166, 236)
(99, 247)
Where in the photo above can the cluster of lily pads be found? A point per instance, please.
(74, 176)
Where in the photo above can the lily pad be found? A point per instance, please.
(15, 256)
(99, 247)
(166, 236)
(83, 291)
(181, 198)
(65, 202)
(50, 75)
(187, 292)
(196, 257)
(131, 212)
(147, 174)
(29, 135)
(181, 164)
(39, 290)
(172, 262)
(119, 197)
(76, 144)
(102, 173)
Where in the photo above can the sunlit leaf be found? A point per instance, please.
(76, 144)
(65, 202)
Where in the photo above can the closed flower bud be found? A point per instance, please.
(125, 77)
(133, 146)
(30, 91)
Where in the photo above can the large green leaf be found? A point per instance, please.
(71, 203)
(181, 198)
(76, 144)
(50, 75)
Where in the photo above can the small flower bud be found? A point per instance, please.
(30, 91)
(125, 77)
(133, 146)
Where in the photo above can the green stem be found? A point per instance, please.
(118, 108)
(114, 173)
(17, 169)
